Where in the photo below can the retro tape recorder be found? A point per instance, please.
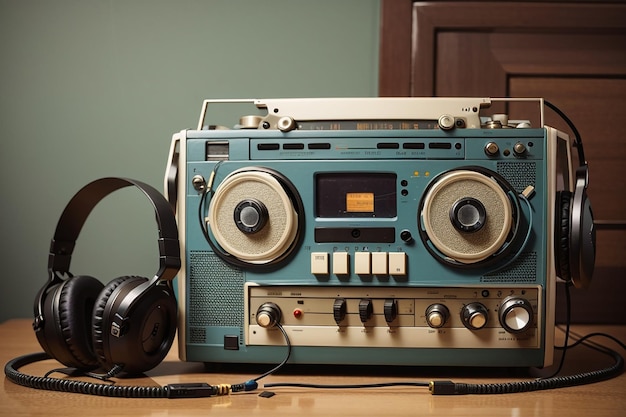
(386, 231)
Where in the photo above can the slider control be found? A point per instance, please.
(366, 309)
(339, 310)
(390, 310)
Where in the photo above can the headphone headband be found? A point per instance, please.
(80, 206)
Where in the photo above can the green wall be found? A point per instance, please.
(96, 88)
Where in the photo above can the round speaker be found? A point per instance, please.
(467, 215)
(252, 216)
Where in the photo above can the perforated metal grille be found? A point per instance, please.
(519, 174)
(215, 294)
(522, 270)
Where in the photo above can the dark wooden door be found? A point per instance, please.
(573, 54)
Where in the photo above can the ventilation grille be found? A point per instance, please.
(519, 174)
(215, 295)
(522, 270)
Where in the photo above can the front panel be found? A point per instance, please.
(388, 247)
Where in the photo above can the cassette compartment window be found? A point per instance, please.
(355, 194)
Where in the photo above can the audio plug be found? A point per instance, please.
(202, 389)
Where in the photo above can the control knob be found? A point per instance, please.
(268, 315)
(515, 314)
(437, 315)
(474, 316)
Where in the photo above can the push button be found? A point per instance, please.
(319, 263)
(379, 263)
(341, 263)
(397, 263)
(362, 263)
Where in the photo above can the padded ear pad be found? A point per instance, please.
(67, 322)
(562, 238)
(150, 330)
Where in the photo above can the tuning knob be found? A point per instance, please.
(437, 315)
(515, 314)
(474, 316)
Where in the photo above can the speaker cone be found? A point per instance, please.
(466, 215)
(253, 217)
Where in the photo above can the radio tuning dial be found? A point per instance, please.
(515, 314)
(437, 315)
(474, 316)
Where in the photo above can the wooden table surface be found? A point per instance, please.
(606, 398)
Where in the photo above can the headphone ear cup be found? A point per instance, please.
(98, 317)
(151, 330)
(67, 322)
(562, 238)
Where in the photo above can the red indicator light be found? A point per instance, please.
(297, 313)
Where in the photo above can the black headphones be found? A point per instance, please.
(126, 326)
(575, 234)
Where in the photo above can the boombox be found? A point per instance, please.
(379, 231)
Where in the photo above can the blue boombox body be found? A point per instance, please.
(398, 232)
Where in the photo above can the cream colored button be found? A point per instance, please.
(397, 263)
(319, 263)
(341, 263)
(379, 263)
(362, 263)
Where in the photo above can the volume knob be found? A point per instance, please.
(474, 316)
(515, 314)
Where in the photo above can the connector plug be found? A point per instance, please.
(446, 388)
(250, 385)
(191, 390)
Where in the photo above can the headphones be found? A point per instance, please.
(126, 326)
(575, 234)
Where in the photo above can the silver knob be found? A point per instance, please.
(515, 314)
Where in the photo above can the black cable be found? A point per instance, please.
(578, 139)
(346, 386)
(11, 370)
(568, 319)
(279, 366)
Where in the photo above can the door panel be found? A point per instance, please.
(573, 54)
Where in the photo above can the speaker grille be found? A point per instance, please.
(522, 270)
(519, 174)
(215, 295)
